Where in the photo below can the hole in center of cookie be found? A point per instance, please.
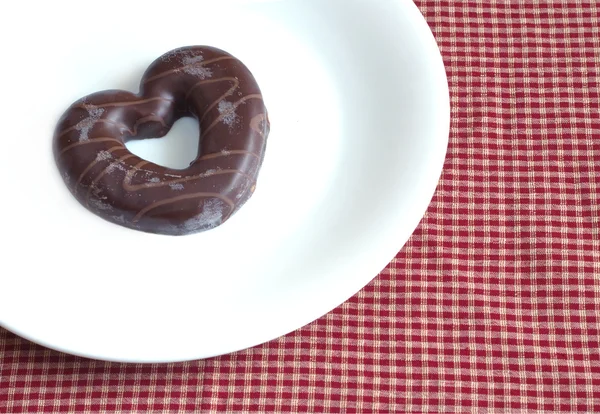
(175, 150)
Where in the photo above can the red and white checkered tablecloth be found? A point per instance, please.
(494, 303)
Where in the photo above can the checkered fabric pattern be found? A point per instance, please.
(494, 303)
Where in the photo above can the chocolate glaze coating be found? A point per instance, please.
(206, 83)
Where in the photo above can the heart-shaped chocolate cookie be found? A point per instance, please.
(206, 83)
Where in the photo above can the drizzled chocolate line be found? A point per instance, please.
(120, 125)
(199, 64)
(86, 105)
(256, 122)
(91, 141)
(231, 110)
(129, 187)
(93, 164)
(236, 84)
(226, 154)
(152, 206)
(105, 171)
(220, 180)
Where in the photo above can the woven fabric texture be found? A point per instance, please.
(494, 303)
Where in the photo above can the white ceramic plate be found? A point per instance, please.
(358, 100)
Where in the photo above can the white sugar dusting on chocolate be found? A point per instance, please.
(170, 55)
(67, 178)
(119, 219)
(103, 156)
(100, 204)
(85, 125)
(176, 186)
(118, 165)
(227, 111)
(192, 59)
(155, 180)
(209, 173)
(193, 66)
(211, 216)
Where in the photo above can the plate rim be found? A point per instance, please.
(444, 95)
